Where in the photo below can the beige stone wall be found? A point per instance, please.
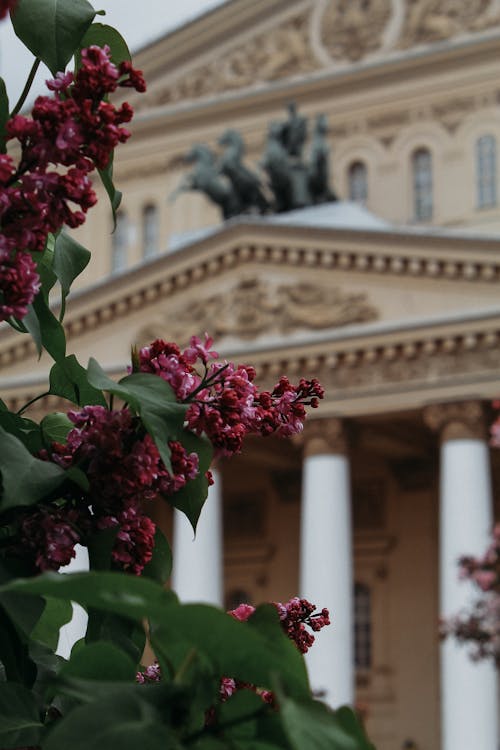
(392, 76)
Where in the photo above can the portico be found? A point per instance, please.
(397, 326)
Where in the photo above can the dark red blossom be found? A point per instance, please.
(19, 284)
(50, 535)
(296, 616)
(75, 130)
(124, 471)
(134, 543)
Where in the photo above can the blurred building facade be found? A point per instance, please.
(389, 297)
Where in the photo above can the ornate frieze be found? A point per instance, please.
(279, 52)
(327, 34)
(254, 306)
(457, 420)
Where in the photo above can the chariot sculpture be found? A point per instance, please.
(288, 176)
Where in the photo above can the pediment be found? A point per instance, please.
(259, 283)
(249, 44)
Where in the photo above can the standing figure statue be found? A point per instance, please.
(206, 177)
(246, 185)
(294, 132)
(293, 136)
(319, 166)
(275, 163)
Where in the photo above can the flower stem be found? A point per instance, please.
(32, 401)
(27, 87)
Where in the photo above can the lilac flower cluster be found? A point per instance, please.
(479, 626)
(224, 403)
(124, 471)
(296, 616)
(68, 135)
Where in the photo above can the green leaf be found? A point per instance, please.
(151, 398)
(125, 595)
(18, 426)
(25, 479)
(310, 725)
(24, 611)
(14, 656)
(116, 629)
(101, 34)
(55, 428)
(94, 660)
(19, 720)
(68, 379)
(245, 651)
(238, 711)
(159, 567)
(57, 613)
(100, 545)
(52, 29)
(45, 329)
(119, 720)
(4, 114)
(114, 195)
(191, 498)
(70, 259)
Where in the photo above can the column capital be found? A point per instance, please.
(457, 420)
(324, 436)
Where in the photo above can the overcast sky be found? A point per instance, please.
(139, 22)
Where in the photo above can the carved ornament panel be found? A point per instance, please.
(428, 21)
(351, 29)
(254, 307)
(280, 52)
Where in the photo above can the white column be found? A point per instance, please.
(197, 563)
(326, 567)
(76, 628)
(469, 716)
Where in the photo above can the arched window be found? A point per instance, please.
(358, 182)
(486, 171)
(150, 231)
(362, 626)
(120, 243)
(423, 201)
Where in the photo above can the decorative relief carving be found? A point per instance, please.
(350, 29)
(280, 52)
(254, 307)
(457, 420)
(428, 21)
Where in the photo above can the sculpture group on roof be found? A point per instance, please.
(285, 178)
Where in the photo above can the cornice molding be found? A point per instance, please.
(178, 272)
(405, 367)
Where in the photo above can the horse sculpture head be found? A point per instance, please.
(200, 153)
(231, 138)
